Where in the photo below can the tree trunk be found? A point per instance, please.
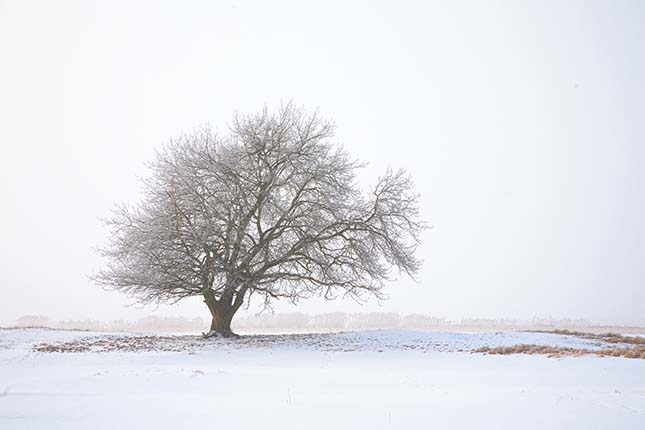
(222, 312)
(221, 322)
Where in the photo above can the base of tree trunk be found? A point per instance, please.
(222, 311)
(219, 333)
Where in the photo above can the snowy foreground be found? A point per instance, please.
(340, 381)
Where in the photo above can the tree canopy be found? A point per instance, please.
(270, 209)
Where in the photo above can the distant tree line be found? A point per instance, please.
(333, 321)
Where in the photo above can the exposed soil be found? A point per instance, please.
(608, 344)
(154, 343)
(317, 341)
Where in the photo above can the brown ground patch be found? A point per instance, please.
(551, 351)
(605, 337)
(556, 351)
(611, 344)
(635, 348)
(116, 344)
(180, 343)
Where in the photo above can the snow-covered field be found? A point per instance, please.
(370, 380)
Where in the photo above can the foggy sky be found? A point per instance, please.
(521, 122)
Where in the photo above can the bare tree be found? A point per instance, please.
(272, 209)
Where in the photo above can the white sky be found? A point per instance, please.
(522, 123)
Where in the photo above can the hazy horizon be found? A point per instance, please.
(299, 322)
(522, 124)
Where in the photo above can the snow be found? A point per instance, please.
(379, 379)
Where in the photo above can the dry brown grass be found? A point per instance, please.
(558, 351)
(636, 348)
(551, 351)
(605, 337)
